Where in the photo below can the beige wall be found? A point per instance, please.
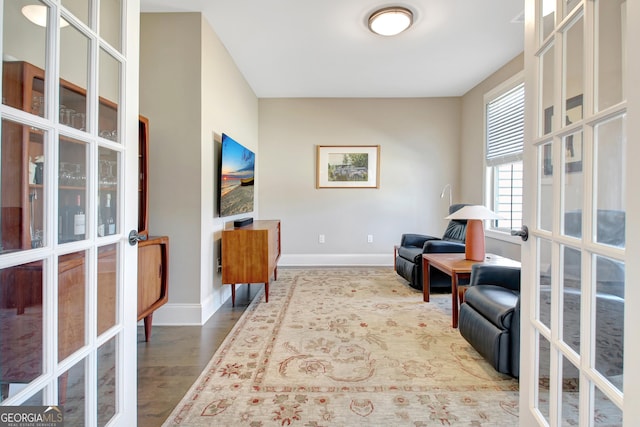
(189, 89)
(228, 105)
(419, 140)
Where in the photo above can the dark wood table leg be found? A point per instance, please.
(454, 299)
(266, 292)
(148, 321)
(395, 255)
(233, 295)
(425, 280)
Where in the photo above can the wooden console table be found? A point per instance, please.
(456, 266)
(250, 254)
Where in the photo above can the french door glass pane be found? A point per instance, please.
(22, 187)
(610, 47)
(22, 40)
(107, 381)
(109, 91)
(544, 282)
(71, 303)
(545, 190)
(547, 16)
(110, 22)
(610, 306)
(107, 192)
(571, 298)
(71, 394)
(569, 5)
(107, 287)
(21, 327)
(72, 195)
(574, 74)
(544, 377)
(36, 399)
(74, 71)
(547, 87)
(605, 412)
(610, 152)
(570, 394)
(573, 187)
(79, 8)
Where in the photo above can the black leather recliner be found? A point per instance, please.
(408, 261)
(490, 316)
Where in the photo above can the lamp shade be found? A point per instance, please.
(474, 240)
(474, 212)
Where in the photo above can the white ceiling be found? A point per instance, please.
(322, 48)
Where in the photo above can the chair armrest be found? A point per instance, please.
(487, 274)
(442, 246)
(416, 240)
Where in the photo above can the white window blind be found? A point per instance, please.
(505, 127)
(504, 143)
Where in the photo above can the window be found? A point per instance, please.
(504, 141)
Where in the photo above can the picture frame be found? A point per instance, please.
(572, 143)
(347, 166)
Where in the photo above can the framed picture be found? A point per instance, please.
(348, 166)
(572, 143)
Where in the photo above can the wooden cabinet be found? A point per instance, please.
(22, 186)
(250, 254)
(153, 275)
(153, 253)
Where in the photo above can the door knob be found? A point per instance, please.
(134, 237)
(523, 233)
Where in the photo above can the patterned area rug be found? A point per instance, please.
(347, 347)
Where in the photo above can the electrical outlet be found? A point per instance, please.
(321, 238)
(370, 238)
(219, 266)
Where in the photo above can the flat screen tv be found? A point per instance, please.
(236, 178)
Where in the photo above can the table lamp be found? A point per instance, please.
(474, 242)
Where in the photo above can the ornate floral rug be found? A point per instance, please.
(347, 347)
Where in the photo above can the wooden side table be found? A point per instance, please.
(456, 266)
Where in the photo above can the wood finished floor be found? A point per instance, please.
(176, 355)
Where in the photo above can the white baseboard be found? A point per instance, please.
(335, 260)
(178, 315)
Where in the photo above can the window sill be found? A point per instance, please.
(505, 237)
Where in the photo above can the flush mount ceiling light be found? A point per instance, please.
(37, 13)
(390, 21)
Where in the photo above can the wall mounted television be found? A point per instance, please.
(237, 178)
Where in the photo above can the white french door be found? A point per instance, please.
(68, 192)
(578, 346)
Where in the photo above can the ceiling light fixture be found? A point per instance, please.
(37, 13)
(390, 21)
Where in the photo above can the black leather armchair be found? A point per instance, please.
(490, 316)
(408, 260)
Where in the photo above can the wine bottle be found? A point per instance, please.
(100, 220)
(111, 223)
(65, 222)
(78, 220)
